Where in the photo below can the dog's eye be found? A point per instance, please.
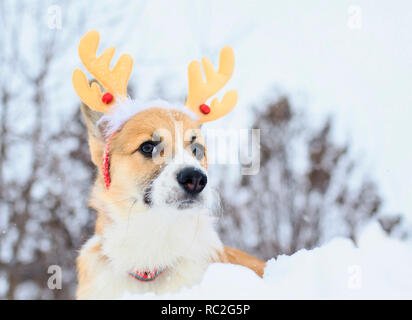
(198, 150)
(147, 148)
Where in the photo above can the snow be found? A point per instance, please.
(378, 268)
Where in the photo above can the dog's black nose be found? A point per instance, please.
(192, 180)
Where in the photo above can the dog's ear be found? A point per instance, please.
(96, 131)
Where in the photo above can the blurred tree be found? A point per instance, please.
(304, 193)
(45, 171)
(396, 226)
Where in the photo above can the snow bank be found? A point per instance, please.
(380, 268)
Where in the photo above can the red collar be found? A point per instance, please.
(146, 275)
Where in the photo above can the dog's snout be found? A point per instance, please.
(192, 180)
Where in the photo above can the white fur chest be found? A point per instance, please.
(181, 242)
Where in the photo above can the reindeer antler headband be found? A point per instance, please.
(115, 81)
(200, 91)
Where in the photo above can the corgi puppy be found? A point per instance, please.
(155, 227)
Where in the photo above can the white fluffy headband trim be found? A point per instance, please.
(127, 108)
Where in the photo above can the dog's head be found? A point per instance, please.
(150, 155)
(157, 158)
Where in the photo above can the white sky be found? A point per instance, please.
(361, 76)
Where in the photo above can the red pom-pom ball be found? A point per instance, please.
(204, 108)
(107, 98)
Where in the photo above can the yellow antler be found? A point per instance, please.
(113, 81)
(200, 91)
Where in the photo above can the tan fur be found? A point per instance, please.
(85, 269)
(129, 171)
(239, 257)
